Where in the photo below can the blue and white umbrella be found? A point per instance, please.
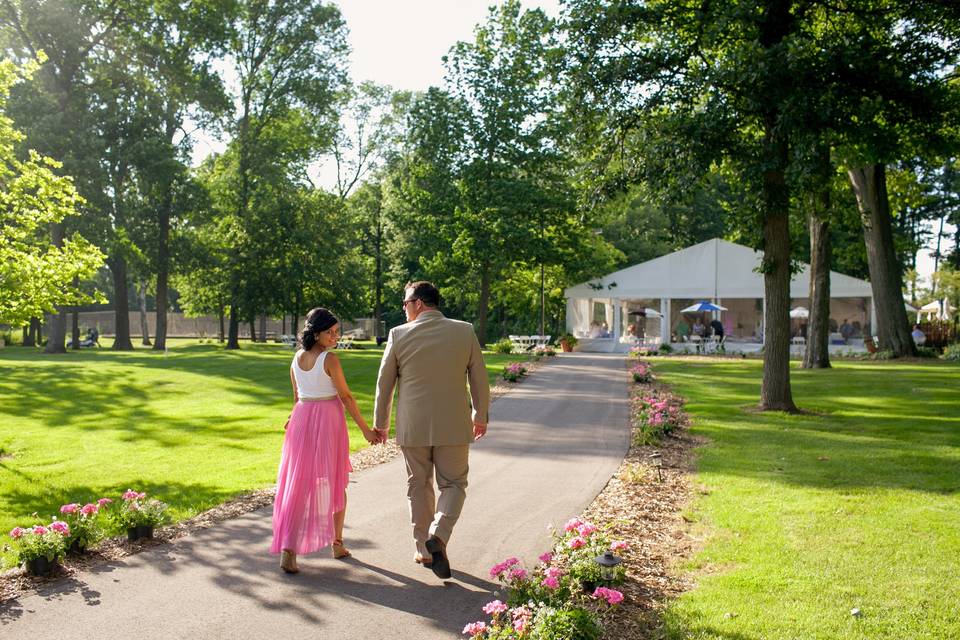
(703, 305)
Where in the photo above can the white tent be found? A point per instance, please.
(715, 270)
(941, 309)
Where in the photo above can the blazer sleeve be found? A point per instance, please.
(479, 382)
(386, 383)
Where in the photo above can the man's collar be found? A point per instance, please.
(429, 314)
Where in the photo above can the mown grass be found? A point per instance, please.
(194, 427)
(855, 505)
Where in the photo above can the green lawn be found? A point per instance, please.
(806, 517)
(194, 427)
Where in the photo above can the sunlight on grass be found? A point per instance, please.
(194, 427)
(806, 517)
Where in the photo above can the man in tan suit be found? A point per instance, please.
(431, 358)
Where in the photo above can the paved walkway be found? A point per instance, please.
(554, 442)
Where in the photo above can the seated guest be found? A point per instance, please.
(846, 330)
(699, 329)
(717, 327)
(683, 330)
(918, 336)
(595, 330)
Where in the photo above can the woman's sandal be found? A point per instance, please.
(288, 561)
(340, 551)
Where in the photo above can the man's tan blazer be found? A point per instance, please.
(430, 360)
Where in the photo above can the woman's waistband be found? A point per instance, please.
(320, 399)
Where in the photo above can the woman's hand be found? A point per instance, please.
(370, 435)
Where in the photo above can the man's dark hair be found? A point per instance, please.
(424, 291)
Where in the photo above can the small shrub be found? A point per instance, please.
(41, 541)
(134, 512)
(563, 624)
(886, 354)
(666, 348)
(642, 373)
(514, 372)
(926, 352)
(952, 352)
(504, 345)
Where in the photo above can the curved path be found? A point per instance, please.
(554, 442)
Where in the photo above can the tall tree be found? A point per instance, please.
(35, 276)
(287, 56)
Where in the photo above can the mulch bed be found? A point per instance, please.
(647, 513)
(16, 582)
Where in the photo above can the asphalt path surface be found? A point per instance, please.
(553, 444)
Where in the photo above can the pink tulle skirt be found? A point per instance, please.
(314, 471)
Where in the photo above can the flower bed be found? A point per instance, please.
(563, 596)
(514, 372)
(642, 373)
(81, 527)
(656, 413)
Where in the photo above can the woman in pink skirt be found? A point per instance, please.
(311, 499)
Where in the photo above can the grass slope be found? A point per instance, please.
(806, 517)
(194, 427)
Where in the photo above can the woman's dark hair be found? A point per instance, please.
(317, 320)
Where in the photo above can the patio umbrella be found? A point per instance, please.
(703, 305)
(799, 312)
(647, 311)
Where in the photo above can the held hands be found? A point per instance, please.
(479, 430)
(382, 435)
(371, 436)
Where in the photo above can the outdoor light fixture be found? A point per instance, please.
(657, 459)
(608, 566)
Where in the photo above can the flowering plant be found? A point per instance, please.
(83, 522)
(549, 601)
(136, 511)
(657, 413)
(544, 350)
(514, 372)
(41, 541)
(641, 372)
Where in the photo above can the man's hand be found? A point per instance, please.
(382, 435)
(479, 430)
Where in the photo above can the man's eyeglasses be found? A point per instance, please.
(408, 301)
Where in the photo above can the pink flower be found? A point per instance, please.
(576, 543)
(518, 574)
(39, 530)
(16, 532)
(619, 545)
(553, 572)
(612, 596)
(102, 502)
(475, 628)
(69, 508)
(586, 529)
(521, 617)
(130, 494)
(546, 558)
(60, 527)
(495, 607)
(497, 569)
(551, 583)
(572, 524)
(89, 509)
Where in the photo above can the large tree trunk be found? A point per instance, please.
(121, 305)
(893, 328)
(483, 305)
(222, 333)
(163, 274)
(142, 300)
(263, 327)
(57, 337)
(253, 330)
(233, 338)
(25, 335)
(817, 355)
(75, 329)
(32, 335)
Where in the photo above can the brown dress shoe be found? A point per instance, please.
(438, 552)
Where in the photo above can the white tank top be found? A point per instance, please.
(314, 383)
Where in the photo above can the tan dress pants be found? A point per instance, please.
(429, 516)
